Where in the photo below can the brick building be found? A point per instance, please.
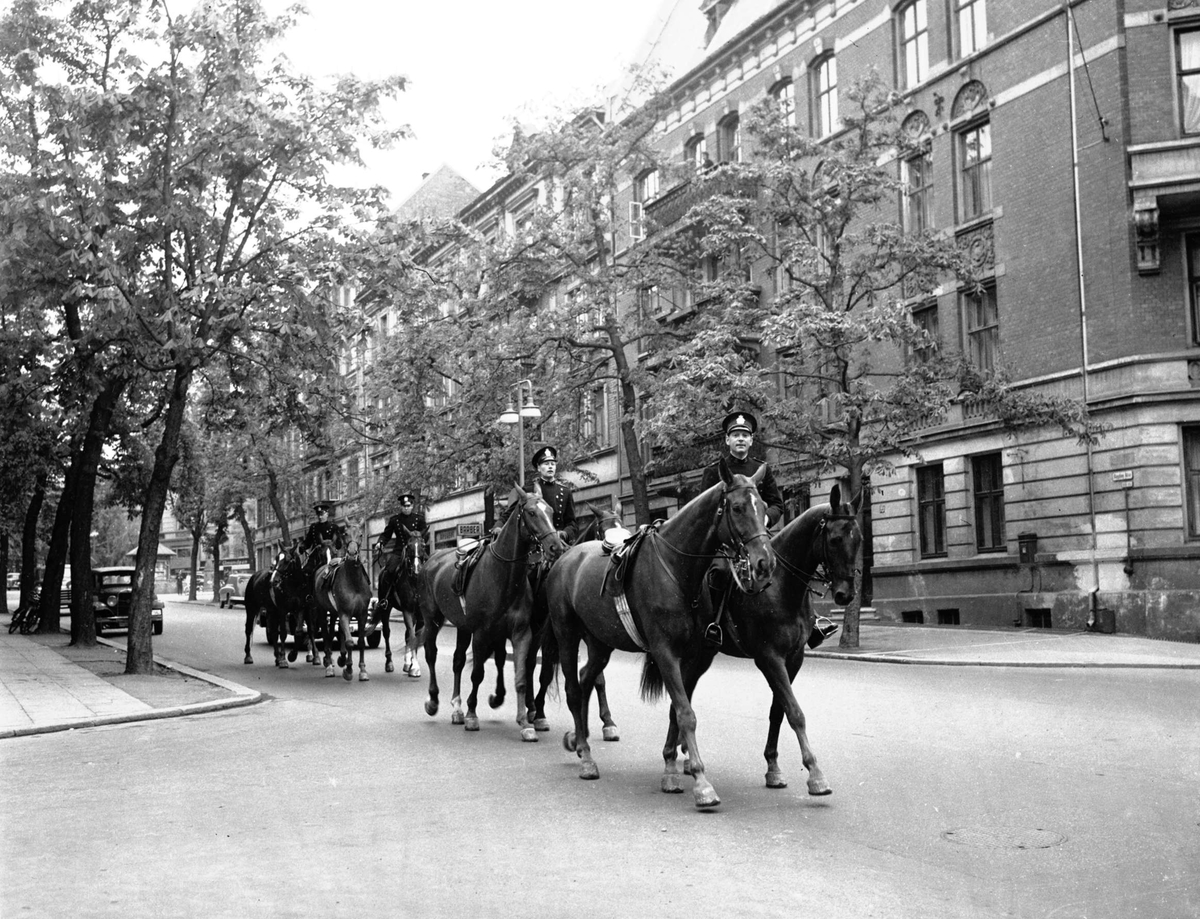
(1061, 143)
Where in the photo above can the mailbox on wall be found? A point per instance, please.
(1027, 548)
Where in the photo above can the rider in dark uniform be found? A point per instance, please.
(555, 493)
(409, 519)
(739, 428)
(321, 532)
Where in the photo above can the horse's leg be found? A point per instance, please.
(703, 792)
(598, 655)
(479, 661)
(779, 677)
(609, 731)
(363, 619)
(250, 611)
(672, 773)
(461, 643)
(496, 699)
(329, 623)
(432, 627)
(522, 641)
(412, 636)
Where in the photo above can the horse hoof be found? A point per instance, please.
(415, 672)
(329, 671)
(292, 655)
(819, 787)
(282, 664)
(341, 660)
(541, 724)
(363, 676)
(248, 660)
(528, 735)
(611, 733)
(389, 667)
(496, 700)
(407, 667)
(569, 741)
(672, 783)
(431, 707)
(707, 798)
(471, 723)
(589, 771)
(776, 780)
(457, 718)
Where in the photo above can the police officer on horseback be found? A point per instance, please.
(555, 493)
(322, 533)
(407, 520)
(739, 428)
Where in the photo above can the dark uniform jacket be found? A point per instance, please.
(397, 523)
(318, 532)
(747, 467)
(562, 505)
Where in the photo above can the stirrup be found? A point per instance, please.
(713, 635)
(823, 627)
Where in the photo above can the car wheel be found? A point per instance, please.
(374, 639)
(158, 628)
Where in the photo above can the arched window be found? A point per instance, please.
(729, 139)
(784, 94)
(825, 99)
(694, 153)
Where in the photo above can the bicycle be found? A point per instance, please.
(27, 618)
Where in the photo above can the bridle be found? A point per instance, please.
(538, 539)
(821, 547)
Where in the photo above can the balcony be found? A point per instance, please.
(670, 206)
(1164, 178)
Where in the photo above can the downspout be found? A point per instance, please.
(1083, 336)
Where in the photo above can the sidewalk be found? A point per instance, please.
(46, 685)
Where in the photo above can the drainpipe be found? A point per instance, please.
(1083, 336)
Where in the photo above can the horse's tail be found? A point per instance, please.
(652, 681)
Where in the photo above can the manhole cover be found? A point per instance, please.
(1004, 837)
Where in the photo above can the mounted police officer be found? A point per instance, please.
(407, 520)
(323, 532)
(739, 428)
(555, 493)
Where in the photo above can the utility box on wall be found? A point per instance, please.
(1027, 546)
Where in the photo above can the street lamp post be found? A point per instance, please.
(517, 411)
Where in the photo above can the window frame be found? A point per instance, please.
(974, 170)
(920, 314)
(982, 338)
(970, 21)
(931, 510)
(1183, 74)
(913, 45)
(1189, 448)
(784, 93)
(988, 502)
(917, 200)
(1191, 248)
(825, 95)
(729, 139)
(694, 152)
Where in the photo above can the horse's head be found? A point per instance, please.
(536, 517)
(289, 571)
(839, 542)
(744, 522)
(414, 551)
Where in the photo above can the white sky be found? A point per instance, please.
(472, 65)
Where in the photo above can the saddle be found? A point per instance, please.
(326, 582)
(621, 550)
(466, 557)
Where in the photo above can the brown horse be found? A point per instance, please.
(290, 592)
(600, 523)
(344, 595)
(258, 599)
(399, 588)
(488, 613)
(772, 626)
(654, 608)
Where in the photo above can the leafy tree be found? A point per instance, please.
(183, 177)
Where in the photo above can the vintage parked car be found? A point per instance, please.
(233, 591)
(14, 581)
(112, 597)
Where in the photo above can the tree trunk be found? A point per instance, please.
(4, 561)
(33, 513)
(239, 514)
(139, 655)
(218, 540)
(850, 625)
(633, 447)
(276, 505)
(194, 565)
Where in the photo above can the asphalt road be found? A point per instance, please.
(958, 792)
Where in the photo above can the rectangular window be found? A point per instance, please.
(784, 93)
(826, 96)
(931, 510)
(1193, 267)
(918, 192)
(975, 158)
(1187, 55)
(972, 26)
(926, 346)
(983, 328)
(1191, 471)
(914, 43)
(987, 477)
(695, 154)
(729, 140)
(646, 186)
